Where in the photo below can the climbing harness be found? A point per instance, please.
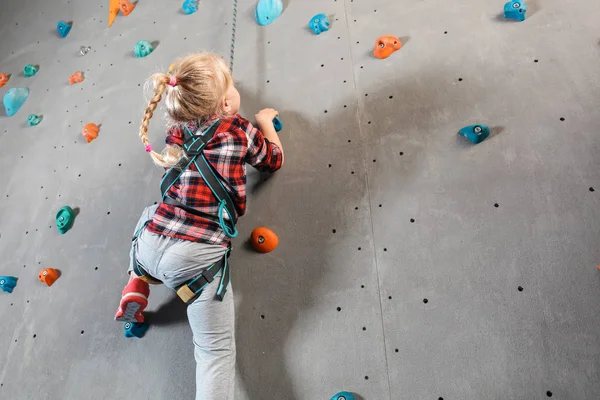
(193, 288)
(193, 146)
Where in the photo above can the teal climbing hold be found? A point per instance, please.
(143, 48)
(343, 396)
(475, 133)
(64, 219)
(268, 11)
(134, 329)
(14, 99)
(30, 70)
(33, 120)
(8, 283)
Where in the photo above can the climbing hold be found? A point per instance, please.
(90, 132)
(113, 9)
(64, 219)
(63, 28)
(48, 276)
(14, 99)
(475, 133)
(126, 7)
(134, 329)
(267, 11)
(30, 70)
(8, 283)
(143, 48)
(343, 396)
(3, 79)
(386, 45)
(319, 23)
(83, 50)
(277, 124)
(264, 240)
(77, 77)
(190, 6)
(33, 120)
(515, 9)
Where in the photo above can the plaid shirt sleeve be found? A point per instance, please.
(262, 154)
(174, 136)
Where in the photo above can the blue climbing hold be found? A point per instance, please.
(475, 133)
(277, 124)
(63, 28)
(8, 283)
(319, 23)
(143, 48)
(33, 120)
(30, 70)
(134, 329)
(190, 6)
(343, 396)
(515, 9)
(14, 99)
(268, 11)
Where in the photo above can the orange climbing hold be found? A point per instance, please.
(113, 10)
(48, 276)
(386, 45)
(126, 7)
(3, 79)
(90, 132)
(264, 240)
(77, 77)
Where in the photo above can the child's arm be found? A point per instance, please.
(264, 120)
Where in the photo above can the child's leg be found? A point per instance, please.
(213, 325)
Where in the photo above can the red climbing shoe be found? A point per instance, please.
(133, 302)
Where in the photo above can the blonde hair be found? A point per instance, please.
(201, 82)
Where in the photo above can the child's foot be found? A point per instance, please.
(133, 302)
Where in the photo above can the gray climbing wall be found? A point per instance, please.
(411, 265)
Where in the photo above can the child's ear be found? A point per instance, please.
(226, 106)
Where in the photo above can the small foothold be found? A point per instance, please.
(277, 124)
(8, 283)
(48, 276)
(90, 132)
(343, 396)
(143, 48)
(33, 120)
(475, 133)
(83, 50)
(134, 329)
(77, 77)
(516, 10)
(14, 99)
(319, 23)
(63, 28)
(3, 79)
(264, 240)
(64, 219)
(190, 6)
(386, 45)
(126, 7)
(30, 70)
(268, 11)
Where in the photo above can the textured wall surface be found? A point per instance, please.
(412, 265)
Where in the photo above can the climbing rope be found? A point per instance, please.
(233, 26)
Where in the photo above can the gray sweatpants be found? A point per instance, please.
(174, 262)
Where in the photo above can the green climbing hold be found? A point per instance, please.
(64, 219)
(33, 120)
(143, 48)
(30, 70)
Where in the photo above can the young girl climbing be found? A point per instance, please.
(184, 241)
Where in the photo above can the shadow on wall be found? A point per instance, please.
(289, 288)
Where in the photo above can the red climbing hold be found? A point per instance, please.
(3, 79)
(48, 276)
(90, 132)
(386, 45)
(77, 77)
(126, 7)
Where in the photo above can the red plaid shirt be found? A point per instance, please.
(235, 143)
